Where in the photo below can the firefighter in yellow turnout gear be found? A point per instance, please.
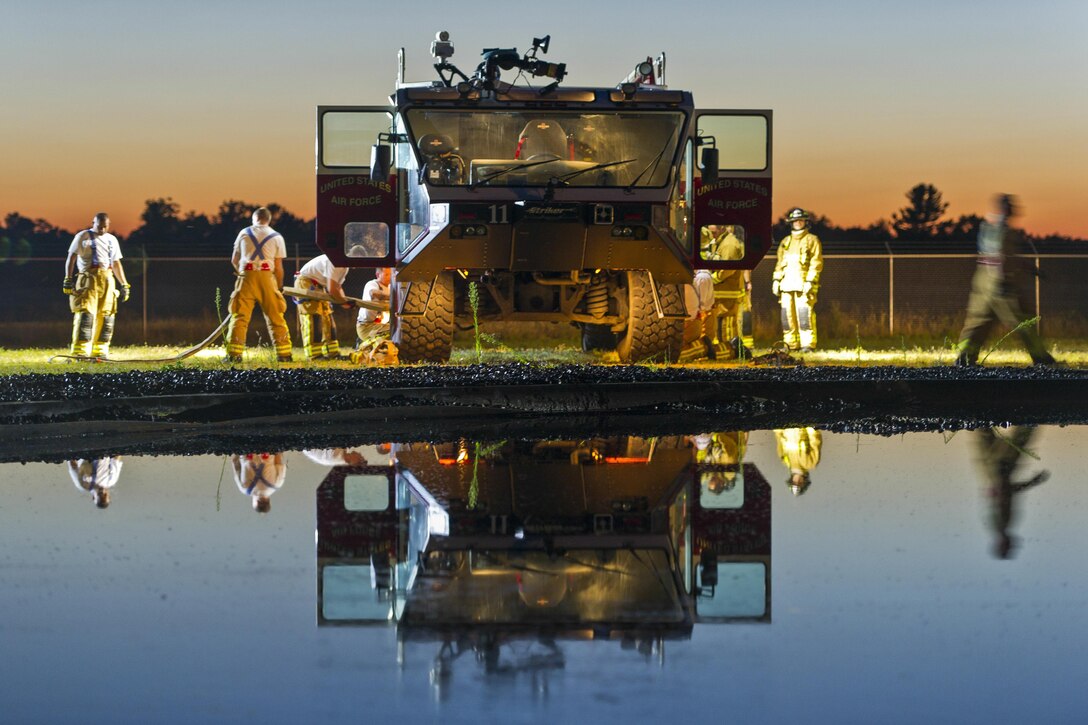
(91, 273)
(731, 286)
(796, 280)
(799, 449)
(316, 325)
(258, 257)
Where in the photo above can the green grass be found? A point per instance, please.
(545, 352)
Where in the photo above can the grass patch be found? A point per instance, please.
(37, 360)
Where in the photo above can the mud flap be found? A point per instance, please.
(673, 307)
(413, 298)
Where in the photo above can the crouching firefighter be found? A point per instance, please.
(316, 324)
(92, 272)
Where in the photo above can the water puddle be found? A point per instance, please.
(767, 574)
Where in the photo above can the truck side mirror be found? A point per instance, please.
(381, 158)
(708, 164)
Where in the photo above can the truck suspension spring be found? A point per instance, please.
(597, 298)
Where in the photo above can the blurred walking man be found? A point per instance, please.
(998, 290)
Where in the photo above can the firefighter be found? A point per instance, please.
(731, 286)
(259, 475)
(796, 281)
(701, 329)
(371, 324)
(258, 257)
(91, 273)
(998, 292)
(96, 476)
(319, 274)
(799, 449)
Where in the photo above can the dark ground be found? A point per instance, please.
(48, 417)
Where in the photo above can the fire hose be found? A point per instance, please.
(292, 291)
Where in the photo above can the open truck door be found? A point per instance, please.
(356, 214)
(731, 181)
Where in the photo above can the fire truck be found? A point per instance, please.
(504, 195)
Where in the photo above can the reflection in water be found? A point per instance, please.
(799, 449)
(96, 476)
(259, 475)
(999, 453)
(336, 456)
(504, 549)
(720, 456)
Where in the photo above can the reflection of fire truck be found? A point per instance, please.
(502, 201)
(480, 545)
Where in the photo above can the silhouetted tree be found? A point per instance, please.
(921, 219)
(159, 227)
(27, 237)
(964, 229)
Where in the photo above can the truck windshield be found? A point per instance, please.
(536, 147)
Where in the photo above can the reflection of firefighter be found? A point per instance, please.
(96, 476)
(796, 281)
(999, 453)
(799, 449)
(259, 475)
(336, 456)
(720, 449)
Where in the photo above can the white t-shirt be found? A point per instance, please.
(321, 270)
(261, 251)
(88, 473)
(94, 248)
(369, 292)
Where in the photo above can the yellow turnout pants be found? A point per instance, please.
(94, 307)
(257, 287)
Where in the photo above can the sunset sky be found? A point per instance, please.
(107, 104)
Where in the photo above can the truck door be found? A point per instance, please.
(356, 215)
(732, 216)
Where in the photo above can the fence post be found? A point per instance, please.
(891, 290)
(1038, 308)
(144, 286)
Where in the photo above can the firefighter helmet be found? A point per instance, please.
(798, 483)
(797, 214)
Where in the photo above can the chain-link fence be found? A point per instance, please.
(872, 296)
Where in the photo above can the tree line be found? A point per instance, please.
(165, 231)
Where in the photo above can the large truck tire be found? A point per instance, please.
(649, 337)
(428, 337)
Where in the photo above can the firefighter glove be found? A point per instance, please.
(126, 292)
(69, 286)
